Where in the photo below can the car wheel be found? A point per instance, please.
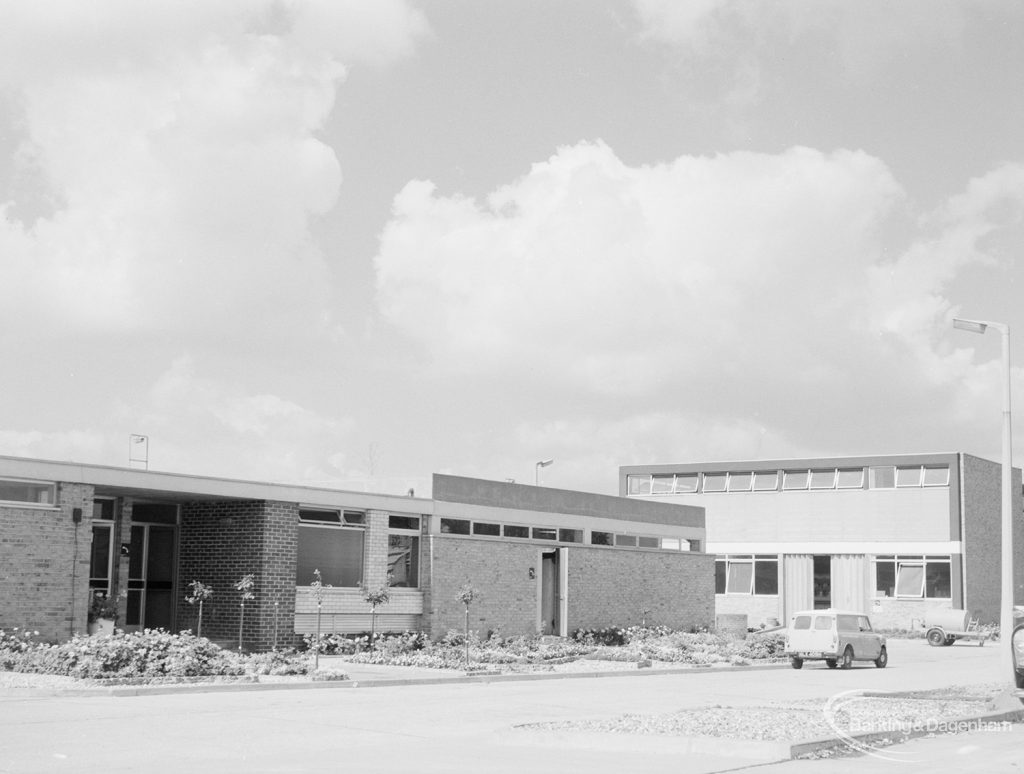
(936, 637)
(848, 657)
(831, 663)
(949, 641)
(796, 663)
(883, 658)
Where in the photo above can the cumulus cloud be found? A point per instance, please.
(177, 148)
(754, 291)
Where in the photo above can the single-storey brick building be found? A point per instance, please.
(541, 560)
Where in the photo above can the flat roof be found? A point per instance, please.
(727, 466)
(524, 497)
(144, 484)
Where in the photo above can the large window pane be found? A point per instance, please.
(337, 553)
(740, 576)
(910, 580)
(714, 482)
(795, 479)
(570, 535)
(937, 583)
(686, 483)
(766, 576)
(638, 485)
(850, 478)
(720, 576)
(31, 492)
(601, 538)
(483, 528)
(404, 560)
(516, 531)
(885, 578)
(823, 479)
(662, 484)
(882, 477)
(909, 476)
(99, 558)
(740, 482)
(455, 526)
(766, 480)
(936, 475)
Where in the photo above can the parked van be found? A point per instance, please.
(837, 637)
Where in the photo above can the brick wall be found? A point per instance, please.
(982, 497)
(219, 542)
(44, 570)
(507, 599)
(616, 587)
(606, 587)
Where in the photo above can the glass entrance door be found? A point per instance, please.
(151, 563)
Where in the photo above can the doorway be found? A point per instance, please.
(822, 582)
(152, 559)
(552, 592)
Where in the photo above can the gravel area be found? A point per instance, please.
(789, 722)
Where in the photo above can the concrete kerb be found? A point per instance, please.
(382, 682)
(868, 739)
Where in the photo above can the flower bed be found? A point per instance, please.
(153, 656)
(150, 655)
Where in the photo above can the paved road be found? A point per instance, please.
(451, 728)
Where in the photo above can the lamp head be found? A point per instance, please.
(544, 463)
(974, 326)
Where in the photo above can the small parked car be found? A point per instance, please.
(837, 637)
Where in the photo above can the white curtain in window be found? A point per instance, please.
(797, 584)
(850, 582)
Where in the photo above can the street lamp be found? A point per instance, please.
(536, 470)
(1006, 603)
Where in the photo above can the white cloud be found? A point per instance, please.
(750, 290)
(204, 425)
(181, 146)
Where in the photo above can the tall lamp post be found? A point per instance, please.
(536, 470)
(1006, 603)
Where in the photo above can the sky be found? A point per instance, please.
(351, 244)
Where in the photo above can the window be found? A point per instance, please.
(822, 622)
(795, 479)
(625, 540)
(913, 577)
(404, 522)
(404, 560)
(27, 492)
(766, 480)
(514, 531)
(671, 544)
(544, 533)
(320, 517)
(766, 575)
(570, 535)
(455, 527)
(882, 477)
(740, 482)
(638, 485)
(601, 538)
(662, 484)
(647, 542)
(936, 475)
(746, 574)
(335, 550)
(908, 476)
(103, 510)
(823, 479)
(482, 528)
(100, 556)
(802, 622)
(715, 482)
(686, 483)
(850, 478)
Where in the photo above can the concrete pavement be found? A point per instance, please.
(463, 726)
